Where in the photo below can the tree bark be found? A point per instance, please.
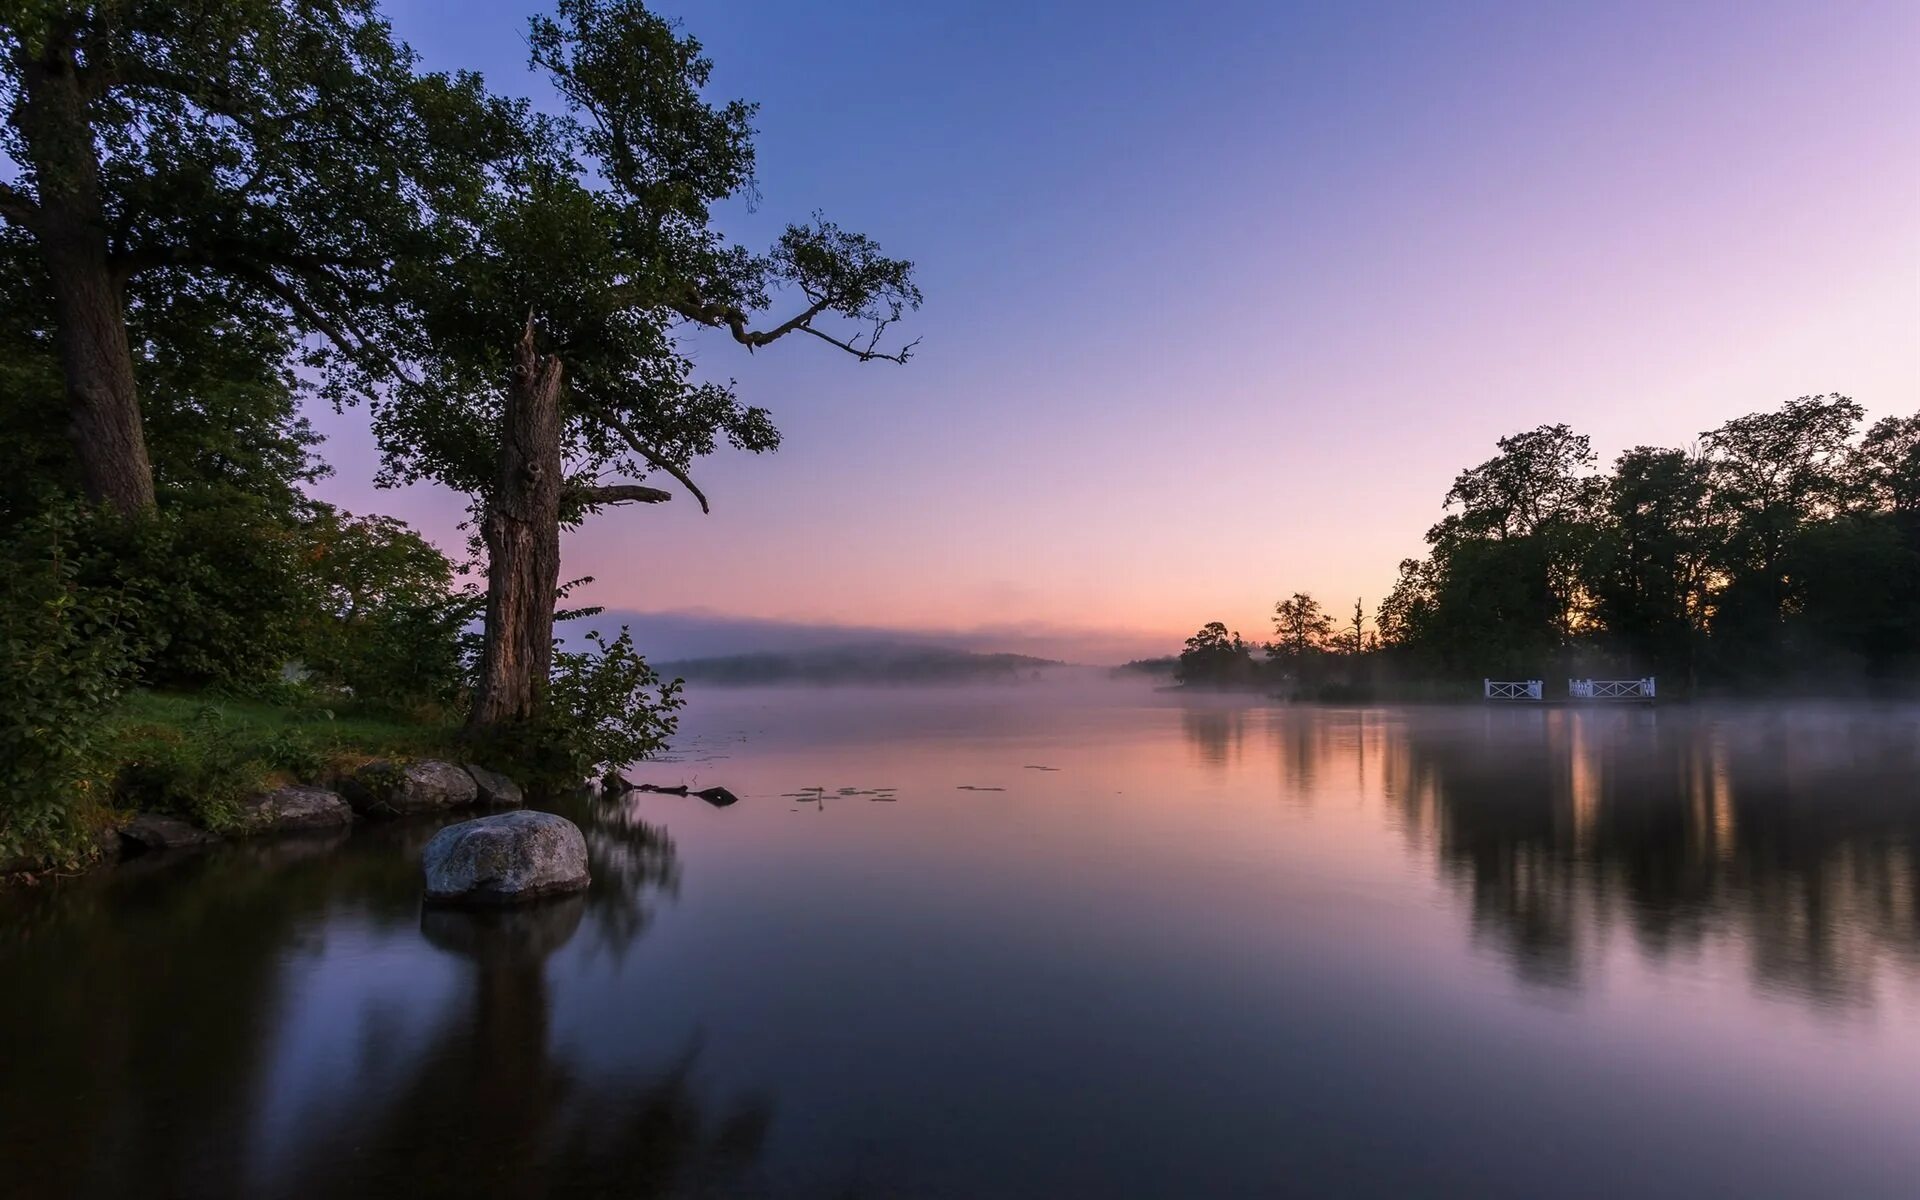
(521, 528)
(89, 304)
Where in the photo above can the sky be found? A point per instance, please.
(1221, 297)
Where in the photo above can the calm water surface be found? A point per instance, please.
(1038, 941)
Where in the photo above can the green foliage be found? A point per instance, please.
(606, 708)
(390, 624)
(223, 585)
(202, 770)
(287, 148)
(67, 652)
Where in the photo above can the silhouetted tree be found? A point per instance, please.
(1300, 628)
(1215, 656)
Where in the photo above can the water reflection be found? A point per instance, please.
(1120, 946)
(1793, 841)
(254, 1021)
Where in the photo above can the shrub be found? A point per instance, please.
(67, 653)
(606, 707)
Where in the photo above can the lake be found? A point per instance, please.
(1063, 939)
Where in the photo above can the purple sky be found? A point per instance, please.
(1220, 298)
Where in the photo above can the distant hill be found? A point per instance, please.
(857, 664)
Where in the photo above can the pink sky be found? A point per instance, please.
(1217, 310)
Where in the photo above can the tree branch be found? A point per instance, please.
(16, 207)
(654, 457)
(867, 354)
(623, 493)
(717, 316)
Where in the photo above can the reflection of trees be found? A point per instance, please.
(142, 1007)
(1798, 839)
(1215, 732)
(487, 1110)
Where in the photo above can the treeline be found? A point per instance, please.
(1780, 553)
(212, 209)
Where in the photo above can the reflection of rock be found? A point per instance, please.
(500, 937)
(507, 859)
(386, 789)
(291, 808)
(496, 790)
(150, 831)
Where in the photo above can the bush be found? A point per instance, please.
(67, 653)
(225, 592)
(605, 708)
(202, 771)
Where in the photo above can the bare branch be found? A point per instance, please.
(623, 493)
(866, 353)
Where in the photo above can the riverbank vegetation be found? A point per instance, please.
(1780, 553)
(217, 212)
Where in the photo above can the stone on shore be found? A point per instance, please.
(496, 790)
(388, 789)
(506, 859)
(294, 808)
(151, 831)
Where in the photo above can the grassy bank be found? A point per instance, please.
(198, 756)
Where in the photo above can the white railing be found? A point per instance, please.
(1611, 689)
(1528, 689)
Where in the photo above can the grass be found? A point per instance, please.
(200, 756)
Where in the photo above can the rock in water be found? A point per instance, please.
(505, 859)
(293, 808)
(386, 789)
(496, 790)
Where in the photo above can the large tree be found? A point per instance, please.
(548, 379)
(286, 147)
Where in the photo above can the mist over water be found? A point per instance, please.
(1072, 937)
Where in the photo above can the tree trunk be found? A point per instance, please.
(89, 305)
(521, 528)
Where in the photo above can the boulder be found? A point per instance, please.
(388, 789)
(293, 808)
(506, 859)
(150, 831)
(496, 790)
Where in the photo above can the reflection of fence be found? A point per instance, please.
(1611, 689)
(1527, 689)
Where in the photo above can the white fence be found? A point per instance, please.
(1527, 689)
(1611, 689)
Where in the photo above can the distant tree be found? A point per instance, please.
(1215, 656)
(1353, 638)
(1300, 628)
